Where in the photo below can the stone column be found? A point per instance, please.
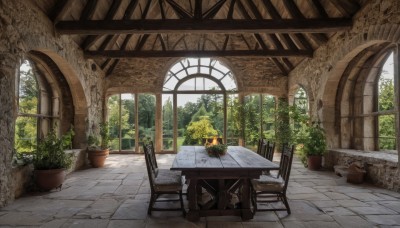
(8, 67)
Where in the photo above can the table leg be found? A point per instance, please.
(246, 210)
(193, 213)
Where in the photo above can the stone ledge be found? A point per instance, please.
(382, 167)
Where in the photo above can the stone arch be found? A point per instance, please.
(80, 114)
(336, 66)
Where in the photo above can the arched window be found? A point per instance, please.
(385, 106)
(38, 107)
(301, 101)
(196, 90)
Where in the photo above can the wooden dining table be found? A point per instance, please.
(225, 179)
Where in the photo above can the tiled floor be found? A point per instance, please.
(117, 196)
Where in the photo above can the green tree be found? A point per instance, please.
(197, 130)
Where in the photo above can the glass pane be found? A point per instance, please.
(188, 105)
(199, 83)
(128, 122)
(217, 74)
(386, 86)
(205, 61)
(252, 121)
(387, 132)
(177, 67)
(204, 70)
(28, 90)
(181, 74)
(221, 67)
(188, 85)
(25, 134)
(268, 119)
(228, 82)
(168, 122)
(234, 120)
(147, 115)
(211, 85)
(171, 83)
(193, 61)
(114, 120)
(192, 70)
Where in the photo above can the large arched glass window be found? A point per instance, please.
(385, 106)
(37, 107)
(195, 93)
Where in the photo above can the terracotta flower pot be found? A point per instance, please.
(49, 179)
(97, 157)
(314, 162)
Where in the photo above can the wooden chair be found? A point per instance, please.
(269, 151)
(162, 181)
(274, 187)
(260, 146)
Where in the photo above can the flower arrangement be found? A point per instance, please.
(216, 149)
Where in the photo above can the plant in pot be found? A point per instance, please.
(50, 161)
(97, 154)
(314, 146)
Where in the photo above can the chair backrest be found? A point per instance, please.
(286, 164)
(260, 146)
(149, 164)
(269, 151)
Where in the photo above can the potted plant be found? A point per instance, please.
(314, 146)
(216, 149)
(97, 154)
(50, 161)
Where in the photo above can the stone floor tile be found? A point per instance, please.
(56, 223)
(293, 224)
(223, 218)
(22, 219)
(301, 189)
(336, 196)
(265, 216)
(262, 225)
(351, 203)
(375, 210)
(337, 211)
(324, 224)
(389, 220)
(132, 209)
(86, 223)
(353, 222)
(102, 208)
(126, 224)
(394, 205)
(325, 203)
(103, 189)
(220, 224)
(364, 196)
(176, 224)
(307, 196)
(127, 190)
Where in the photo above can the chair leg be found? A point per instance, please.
(181, 201)
(152, 199)
(286, 203)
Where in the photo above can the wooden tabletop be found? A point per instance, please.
(237, 158)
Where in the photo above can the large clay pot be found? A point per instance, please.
(49, 179)
(97, 157)
(314, 162)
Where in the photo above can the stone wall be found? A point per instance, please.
(23, 28)
(147, 75)
(381, 167)
(376, 23)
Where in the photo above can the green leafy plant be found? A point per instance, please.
(217, 149)
(50, 152)
(105, 135)
(315, 141)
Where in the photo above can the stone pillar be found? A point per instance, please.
(8, 67)
(158, 123)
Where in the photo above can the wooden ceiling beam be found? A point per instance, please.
(60, 9)
(231, 9)
(198, 11)
(179, 10)
(280, 66)
(102, 27)
(210, 13)
(88, 10)
(320, 9)
(91, 39)
(148, 54)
